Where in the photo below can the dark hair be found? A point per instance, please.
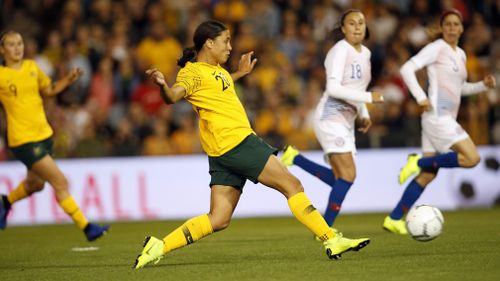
(449, 12)
(337, 32)
(207, 30)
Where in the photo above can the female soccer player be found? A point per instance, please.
(22, 85)
(348, 73)
(444, 143)
(235, 153)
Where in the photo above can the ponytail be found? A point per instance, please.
(188, 55)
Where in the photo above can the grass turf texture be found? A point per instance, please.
(259, 249)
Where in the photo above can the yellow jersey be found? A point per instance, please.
(222, 119)
(23, 105)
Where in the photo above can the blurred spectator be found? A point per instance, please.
(151, 51)
(114, 41)
(158, 143)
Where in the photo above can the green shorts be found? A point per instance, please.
(31, 152)
(245, 161)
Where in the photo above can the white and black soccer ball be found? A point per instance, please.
(424, 222)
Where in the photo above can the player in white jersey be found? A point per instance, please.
(444, 143)
(348, 73)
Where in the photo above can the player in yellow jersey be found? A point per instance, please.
(29, 135)
(235, 153)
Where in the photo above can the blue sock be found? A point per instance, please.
(410, 196)
(337, 195)
(447, 160)
(321, 172)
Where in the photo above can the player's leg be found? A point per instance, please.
(468, 156)
(444, 133)
(28, 186)
(47, 169)
(223, 201)
(344, 167)
(394, 222)
(292, 156)
(276, 176)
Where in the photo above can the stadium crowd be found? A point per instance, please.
(113, 110)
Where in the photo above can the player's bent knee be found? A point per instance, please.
(475, 160)
(293, 185)
(33, 186)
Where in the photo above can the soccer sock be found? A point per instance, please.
(191, 231)
(305, 213)
(17, 194)
(337, 195)
(321, 172)
(410, 196)
(71, 208)
(446, 160)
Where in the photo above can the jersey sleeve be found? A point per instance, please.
(43, 80)
(335, 63)
(188, 79)
(426, 56)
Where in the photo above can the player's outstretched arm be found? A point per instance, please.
(63, 83)
(169, 95)
(245, 66)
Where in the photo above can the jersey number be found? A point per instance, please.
(355, 71)
(225, 83)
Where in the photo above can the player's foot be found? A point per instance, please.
(338, 245)
(93, 231)
(152, 252)
(395, 226)
(410, 168)
(334, 231)
(4, 211)
(289, 153)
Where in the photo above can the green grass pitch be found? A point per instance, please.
(259, 249)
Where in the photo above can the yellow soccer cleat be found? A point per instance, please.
(152, 252)
(289, 153)
(395, 226)
(334, 231)
(410, 168)
(338, 245)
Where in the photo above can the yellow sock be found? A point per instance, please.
(71, 208)
(192, 230)
(18, 193)
(305, 212)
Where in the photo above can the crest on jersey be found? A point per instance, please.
(339, 141)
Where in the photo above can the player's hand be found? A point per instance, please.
(156, 76)
(490, 81)
(246, 63)
(365, 125)
(75, 74)
(425, 105)
(377, 97)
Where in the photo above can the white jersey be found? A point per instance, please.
(446, 75)
(351, 71)
(348, 73)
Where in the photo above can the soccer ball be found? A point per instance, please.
(424, 222)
